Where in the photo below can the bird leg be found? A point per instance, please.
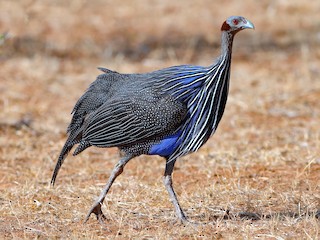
(173, 198)
(168, 183)
(96, 207)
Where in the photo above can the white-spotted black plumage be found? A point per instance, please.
(170, 112)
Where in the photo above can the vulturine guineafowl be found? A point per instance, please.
(170, 112)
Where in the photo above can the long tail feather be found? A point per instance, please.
(64, 153)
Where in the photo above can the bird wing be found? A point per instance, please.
(98, 93)
(126, 120)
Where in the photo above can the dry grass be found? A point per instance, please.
(258, 176)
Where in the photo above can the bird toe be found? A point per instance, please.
(96, 209)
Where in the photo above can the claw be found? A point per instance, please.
(96, 209)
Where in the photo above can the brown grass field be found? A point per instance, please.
(258, 177)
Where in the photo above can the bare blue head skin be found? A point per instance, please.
(235, 24)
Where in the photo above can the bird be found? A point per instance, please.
(169, 112)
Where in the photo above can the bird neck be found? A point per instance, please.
(226, 43)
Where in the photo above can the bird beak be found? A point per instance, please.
(248, 25)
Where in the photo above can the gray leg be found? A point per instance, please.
(168, 183)
(96, 207)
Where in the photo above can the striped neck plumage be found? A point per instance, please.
(224, 60)
(206, 106)
(204, 91)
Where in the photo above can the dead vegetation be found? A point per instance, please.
(258, 176)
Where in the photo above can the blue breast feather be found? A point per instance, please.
(186, 79)
(166, 146)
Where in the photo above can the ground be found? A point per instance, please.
(256, 178)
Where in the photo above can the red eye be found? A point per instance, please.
(235, 21)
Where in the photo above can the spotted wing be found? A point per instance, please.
(122, 121)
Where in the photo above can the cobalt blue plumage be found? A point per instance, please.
(170, 112)
(166, 146)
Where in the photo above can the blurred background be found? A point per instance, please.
(49, 52)
(50, 49)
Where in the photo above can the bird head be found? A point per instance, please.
(235, 24)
